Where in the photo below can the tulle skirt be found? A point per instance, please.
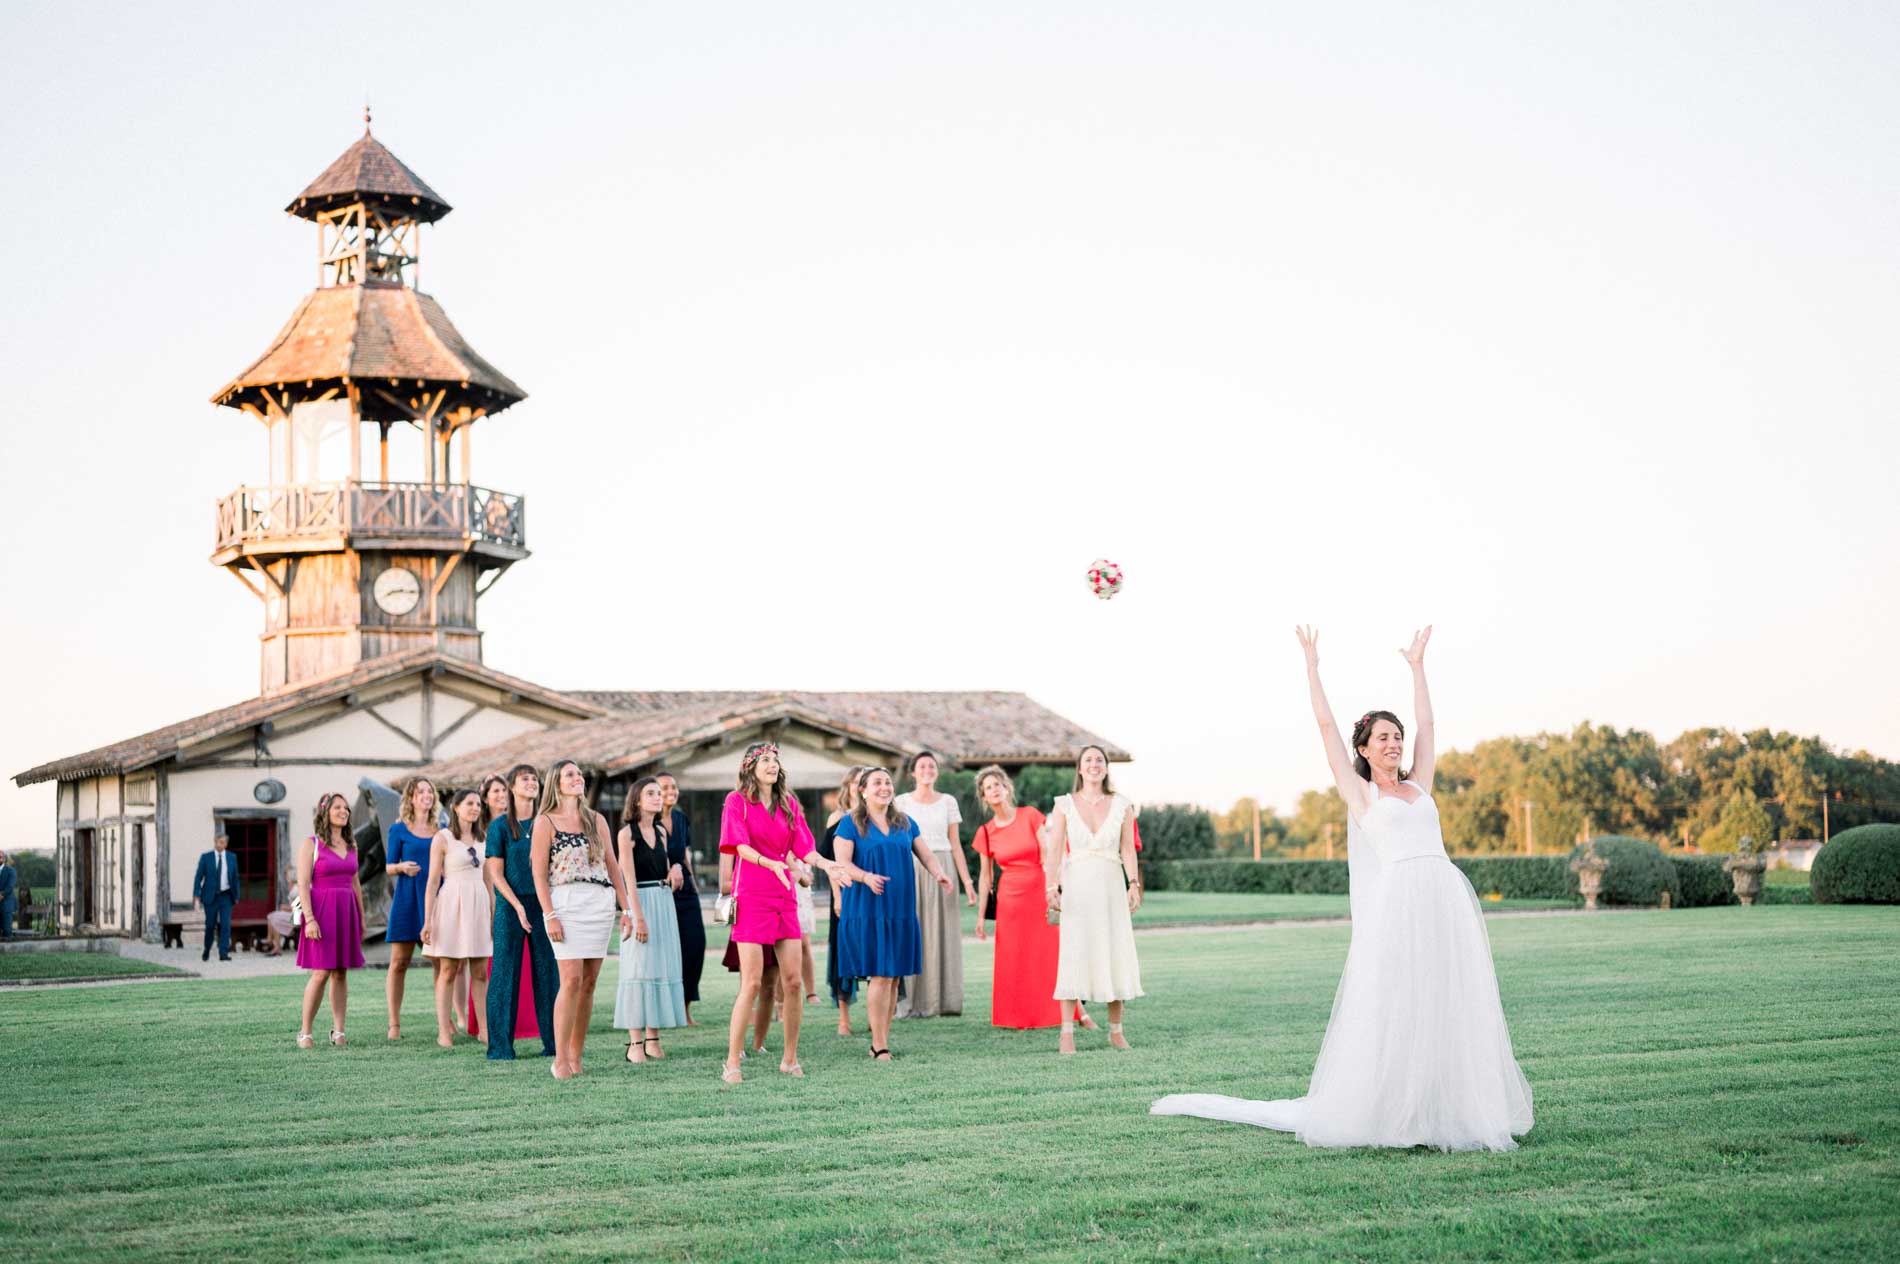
(1417, 1052)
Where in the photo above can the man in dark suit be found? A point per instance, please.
(215, 890)
(9, 895)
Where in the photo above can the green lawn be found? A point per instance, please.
(75, 965)
(1711, 1084)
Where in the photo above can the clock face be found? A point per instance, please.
(398, 590)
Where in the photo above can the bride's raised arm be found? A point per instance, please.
(1424, 750)
(1351, 787)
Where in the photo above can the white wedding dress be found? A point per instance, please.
(1417, 1052)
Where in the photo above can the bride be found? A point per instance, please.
(1417, 1052)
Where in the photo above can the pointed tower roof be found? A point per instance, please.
(368, 172)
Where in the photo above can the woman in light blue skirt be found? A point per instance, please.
(652, 975)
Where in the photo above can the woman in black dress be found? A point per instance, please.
(843, 990)
(679, 851)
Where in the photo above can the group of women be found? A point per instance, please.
(526, 875)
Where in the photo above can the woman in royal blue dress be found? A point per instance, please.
(880, 937)
(406, 861)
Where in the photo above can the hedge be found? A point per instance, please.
(1513, 877)
(1262, 877)
(1638, 874)
(1859, 866)
(1702, 882)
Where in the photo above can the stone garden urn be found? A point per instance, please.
(1745, 871)
(1590, 868)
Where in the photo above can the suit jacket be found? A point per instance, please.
(204, 887)
(9, 880)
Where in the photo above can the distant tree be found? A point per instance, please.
(1743, 816)
(1177, 831)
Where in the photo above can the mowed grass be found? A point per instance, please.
(76, 965)
(1711, 1084)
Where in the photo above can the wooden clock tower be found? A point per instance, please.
(351, 568)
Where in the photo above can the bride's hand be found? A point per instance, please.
(1309, 641)
(1416, 654)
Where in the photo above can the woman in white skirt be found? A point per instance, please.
(1095, 880)
(652, 991)
(577, 880)
(937, 988)
(458, 915)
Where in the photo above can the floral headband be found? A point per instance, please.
(755, 753)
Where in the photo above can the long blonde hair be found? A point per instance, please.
(1108, 775)
(551, 802)
(409, 803)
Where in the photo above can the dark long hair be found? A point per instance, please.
(630, 812)
(784, 798)
(894, 818)
(455, 825)
(1108, 770)
(1362, 733)
(514, 822)
(488, 817)
(321, 821)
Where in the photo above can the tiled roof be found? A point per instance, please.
(368, 172)
(150, 748)
(970, 728)
(966, 726)
(380, 337)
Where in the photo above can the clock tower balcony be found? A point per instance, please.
(300, 518)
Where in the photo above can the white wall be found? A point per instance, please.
(486, 729)
(353, 733)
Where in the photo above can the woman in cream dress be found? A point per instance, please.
(937, 988)
(1094, 878)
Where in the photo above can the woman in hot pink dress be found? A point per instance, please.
(332, 898)
(762, 826)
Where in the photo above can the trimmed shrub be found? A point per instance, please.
(1859, 866)
(1785, 895)
(1520, 877)
(1262, 877)
(1176, 831)
(1702, 882)
(1639, 873)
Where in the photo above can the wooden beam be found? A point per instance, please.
(378, 716)
(237, 573)
(466, 716)
(428, 715)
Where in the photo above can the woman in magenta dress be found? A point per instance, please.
(332, 898)
(761, 828)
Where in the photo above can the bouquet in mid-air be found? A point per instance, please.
(1105, 578)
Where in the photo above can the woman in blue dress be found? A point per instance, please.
(879, 937)
(406, 861)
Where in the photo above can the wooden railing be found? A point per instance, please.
(396, 510)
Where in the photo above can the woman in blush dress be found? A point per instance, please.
(578, 881)
(406, 861)
(458, 915)
(332, 898)
(1027, 945)
(879, 936)
(1417, 1052)
(937, 987)
(1097, 887)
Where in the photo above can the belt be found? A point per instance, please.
(656, 882)
(1109, 857)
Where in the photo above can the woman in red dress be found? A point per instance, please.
(1023, 992)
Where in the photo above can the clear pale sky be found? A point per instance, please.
(853, 333)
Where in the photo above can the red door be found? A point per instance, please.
(254, 843)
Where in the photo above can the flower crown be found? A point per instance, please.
(755, 753)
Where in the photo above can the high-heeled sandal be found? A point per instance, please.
(729, 1074)
(881, 1055)
(1114, 1034)
(792, 1069)
(305, 1040)
(1066, 1044)
(632, 1047)
(1083, 1020)
(336, 1037)
(655, 1042)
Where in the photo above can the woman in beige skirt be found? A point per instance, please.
(458, 914)
(936, 989)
